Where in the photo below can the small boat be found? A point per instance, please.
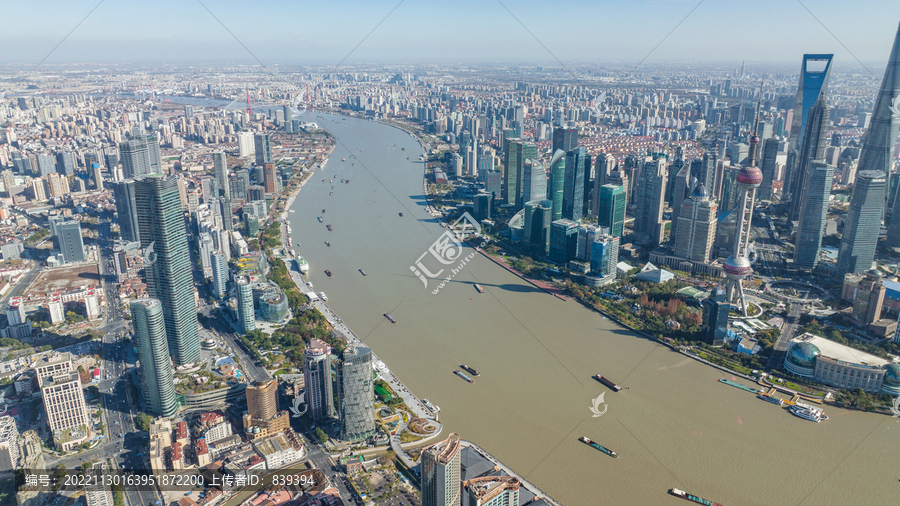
(328, 273)
(597, 446)
(428, 404)
(401, 215)
(329, 227)
(342, 180)
(469, 370)
(770, 398)
(363, 272)
(293, 211)
(479, 288)
(331, 180)
(402, 149)
(323, 211)
(330, 194)
(813, 415)
(347, 181)
(327, 244)
(699, 500)
(323, 296)
(463, 376)
(389, 317)
(320, 219)
(343, 159)
(332, 187)
(608, 383)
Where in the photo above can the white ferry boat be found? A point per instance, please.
(810, 414)
(428, 404)
(322, 296)
(302, 264)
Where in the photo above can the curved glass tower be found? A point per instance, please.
(153, 351)
(169, 275)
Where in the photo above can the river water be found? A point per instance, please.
(675, 427)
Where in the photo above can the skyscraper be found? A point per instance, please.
(263, 144)
(126, 210)
(317, 380)
(814, 74)
(681, 189)
(603, 166)
(69, 241)
(169, 277)
(565, 139)
(771, 148)
(9, 444)
(153, 352)
(137, 159)
(556, 188)
(650, 199)
(573, 188)
(272, 178)
(738, 266)
(715, 317)
(65, 163)
(880, 139)
(611, 209)
(63, 398)
(538, 215)
(563, 240)
(356, 394)
(813, 215)
(696, 226)
(219, 164)
(863, 223)
(534, 181)
(219, 273)
(263, 417)
(440, 471)
(812, 147)
(517, 151)
(869, 299)
(246, 314)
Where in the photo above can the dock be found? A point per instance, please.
(738, 385)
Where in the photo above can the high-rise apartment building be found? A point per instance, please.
(696, 226)
(9, 444)
(169, 277)
(857, 251)
(263, 143)
(221, 171)
(272, 178)
(153, 352)
(246, 314)
(140, 156)
(63, 398)
(356, 393)
(317, 380)
(219, 273)
(263, 417)
(69, 241)
(440, 473)
(813, 215)
(246, 145)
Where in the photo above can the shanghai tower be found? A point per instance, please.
(168, 262)
(880, 139)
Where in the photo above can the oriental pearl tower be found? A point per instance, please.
(738, 266)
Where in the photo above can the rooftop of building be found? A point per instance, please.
(841, 352)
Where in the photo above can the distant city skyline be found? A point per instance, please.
(470, 32)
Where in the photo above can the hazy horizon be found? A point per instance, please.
(322, 34)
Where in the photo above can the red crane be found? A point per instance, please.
(249, 110)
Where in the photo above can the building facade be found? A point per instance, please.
(153, 351)
(356, 394)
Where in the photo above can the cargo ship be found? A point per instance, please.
(463, 376)
(469, 370)
(389, 317)
(770, 398)
(597, 446)
(329, 227)
(699, 500)
(328, 273)
(608, 383)
(811, 414)
(479, 288)
(363, 272)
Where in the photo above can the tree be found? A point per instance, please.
(321, 435)
(142, 421)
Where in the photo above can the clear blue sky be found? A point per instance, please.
(420, 31)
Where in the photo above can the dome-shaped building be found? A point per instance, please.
(891, 384)
(801, 359)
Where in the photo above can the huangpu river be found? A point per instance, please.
(673, 424)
